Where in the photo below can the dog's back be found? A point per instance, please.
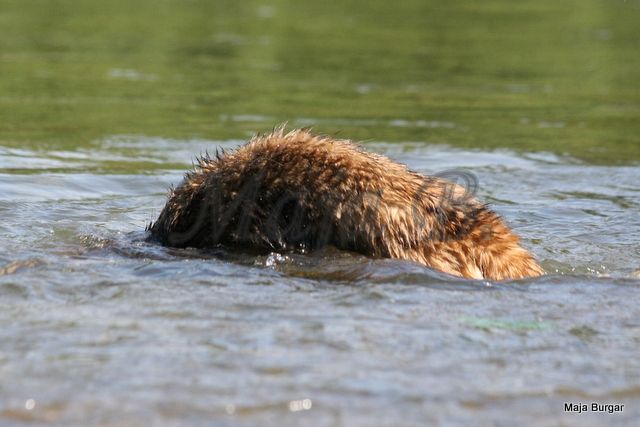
(298, 191)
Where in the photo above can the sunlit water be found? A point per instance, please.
(538, 99)
(99, 327)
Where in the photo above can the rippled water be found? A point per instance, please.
(99, 327)
(538, 99)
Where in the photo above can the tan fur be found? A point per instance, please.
(298, 191)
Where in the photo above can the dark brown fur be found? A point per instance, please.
(295, 190)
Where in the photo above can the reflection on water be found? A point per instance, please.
(90, 312)
(490, 74)
(104, 105)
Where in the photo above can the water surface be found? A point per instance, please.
(104, 105)
(100, 326)
(558, 76)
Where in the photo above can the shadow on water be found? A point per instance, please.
(331, 266)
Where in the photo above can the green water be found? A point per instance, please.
(103, 106)
(558, 76)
